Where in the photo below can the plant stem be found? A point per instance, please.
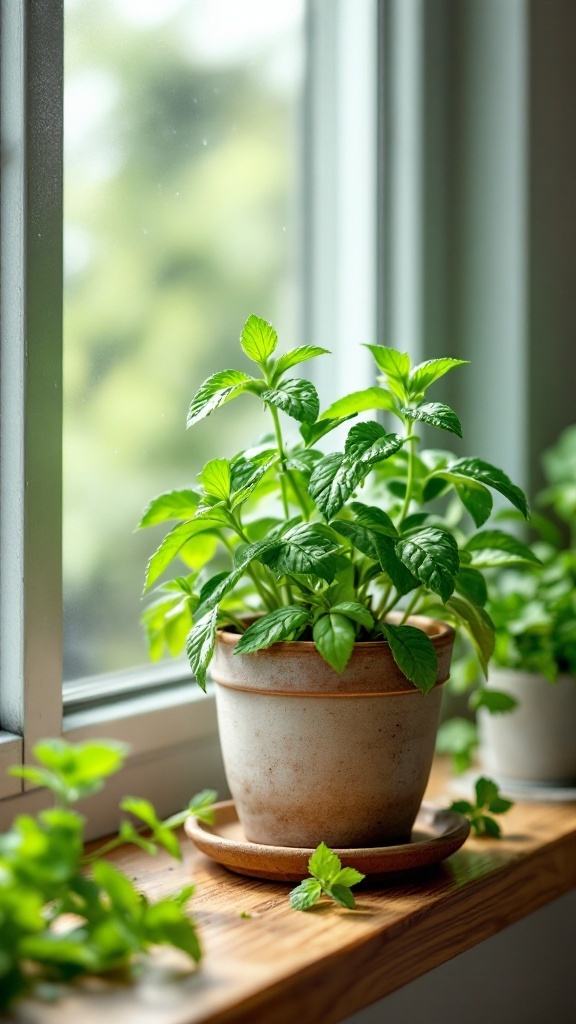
(411, 605)
(383, 607)
(283, 466)
(410, 479)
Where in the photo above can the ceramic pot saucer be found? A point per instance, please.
(436, 835)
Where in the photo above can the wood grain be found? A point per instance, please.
(279, 966)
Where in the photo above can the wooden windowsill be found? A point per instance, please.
(282, 966)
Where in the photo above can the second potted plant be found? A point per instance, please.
(327, 679)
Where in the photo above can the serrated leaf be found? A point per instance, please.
(334, 636)
(486, 791)
(180, 504)
(359, 536)
(305, 548)
(258, 339)
(200, 645)
(348, 877)
(296, 397)
(324, 864)
(471, 584)
(493, 477)
(217, 390)
(495, 701)
(374, 519)
(312, 432)
(306, 894)
(342, 895)
(358, 613)
(369, 443)
(484, 544)
(399, 575)
(437, 414)
(245, 482)
(173, 543)
(432, 556)
(360, 401)
(478, 624)
(396, 367)
(277, 625)
(333, 481)
(297, 355)
(215, 478)
(413, 652)
(424, 374)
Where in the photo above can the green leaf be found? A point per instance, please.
(494, 701)
(333, 481)
(459, 738)
(368, 442)
(215, 589)
(413, 652)
(170, 505)
(396, 366)
(277, 625)
(462, 807)
(348, 877)
(141, 809)
(437, 414)
(486, 791)
(312, 432)
(296, 397)
(118, 887)
(476, 499)
(335, 636)
(357, 612)
(471, 584)
(201, 805)
(478, 624)
(359, 401)
(324, 864)
(306, 894)
(258, 339)
(374, 519)
(174, 542)
(342, 895)
(297, 355)
(486, 543)
(499, 805)
(359, 536)
(305, 548)
(218, 389)
(493, 477)
(200, 645)
(251, 477)
(432, 556)
(400, 576)
(215, 478)
(426, 373)
(489, 827)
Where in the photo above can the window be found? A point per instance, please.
(200, 185)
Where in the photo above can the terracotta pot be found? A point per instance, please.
(311, 755)
(536, 741)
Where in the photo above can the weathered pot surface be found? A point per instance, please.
(536, 741)
(311, 755)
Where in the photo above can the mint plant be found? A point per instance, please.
(45, 876)
(324, 546)
(328, 878)
(487, 803)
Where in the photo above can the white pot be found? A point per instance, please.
(536, 742)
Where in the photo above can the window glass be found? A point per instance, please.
(182, 200)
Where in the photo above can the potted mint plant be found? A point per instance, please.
(328, 681)
(534, 613)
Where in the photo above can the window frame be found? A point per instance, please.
(169, 725)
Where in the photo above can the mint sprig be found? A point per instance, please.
(479, 814)
(328, 878)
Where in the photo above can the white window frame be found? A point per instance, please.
(170, 726)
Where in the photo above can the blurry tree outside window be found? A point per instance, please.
(182, 216)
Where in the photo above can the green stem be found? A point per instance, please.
(410, 479)
(411, 605)
(271, 598)
(383, 608)
(283, 466)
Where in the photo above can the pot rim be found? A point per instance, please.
(443, 634)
